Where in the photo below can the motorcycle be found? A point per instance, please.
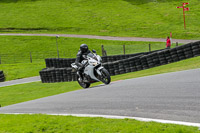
(93, 72)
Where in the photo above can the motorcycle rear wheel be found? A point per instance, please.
(83, 84)
(105, 76)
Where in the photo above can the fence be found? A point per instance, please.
(29, 57)
(34, 56)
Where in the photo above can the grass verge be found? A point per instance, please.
(61, 124)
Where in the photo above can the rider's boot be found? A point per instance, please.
(80, 76)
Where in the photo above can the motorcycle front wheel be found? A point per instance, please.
(105, 77)
(83, 84)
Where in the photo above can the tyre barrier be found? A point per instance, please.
(52, 75)
(2, 76)
(66, 62)
(120, 64)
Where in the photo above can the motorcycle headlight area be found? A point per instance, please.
(93, 62)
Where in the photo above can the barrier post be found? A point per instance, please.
(30, 57)
(176, 44)
(124, 49)
(103, 51)
(57, 46)
(149, 47)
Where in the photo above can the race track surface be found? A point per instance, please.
(171, 96)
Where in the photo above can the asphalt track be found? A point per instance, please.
(20, 81)
(172, 96)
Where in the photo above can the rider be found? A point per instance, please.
(80, 57)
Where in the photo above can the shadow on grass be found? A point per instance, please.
(10, 29)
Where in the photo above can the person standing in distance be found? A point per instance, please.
(168, 43)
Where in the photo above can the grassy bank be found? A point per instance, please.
(142, 18)
(49, 124)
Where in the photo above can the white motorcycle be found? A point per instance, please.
(93, 72)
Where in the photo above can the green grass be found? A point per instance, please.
(142, 18)
(25, 92)
(30, 91)
(62, 124)
(21, 70)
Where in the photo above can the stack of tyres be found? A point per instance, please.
(115, 58)
(150, 61)
(174, 54)
(116, 67)
(62, 74)
(2, 76)
(109, 58)
(162, 58)
(155, 58)
(180, 52)
(168, 56)
(195, 48)
(47, 61)
(188, 51)
(127, 56)
(126, 63)
(52, 75)
(65, 77)
(132, 64)
(105, 65)
(144, 62)
(69, 75)
(62, 63)
(121, 67)
(138, 63)
(104, 59)
(111, 68)
(74, 76)
(44, 75)
(72, 60)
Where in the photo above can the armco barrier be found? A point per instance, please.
(59, 70)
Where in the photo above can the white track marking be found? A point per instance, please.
(124, 117)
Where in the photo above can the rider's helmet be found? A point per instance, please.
(84, 48)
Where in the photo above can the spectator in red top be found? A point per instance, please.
(168, 43)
